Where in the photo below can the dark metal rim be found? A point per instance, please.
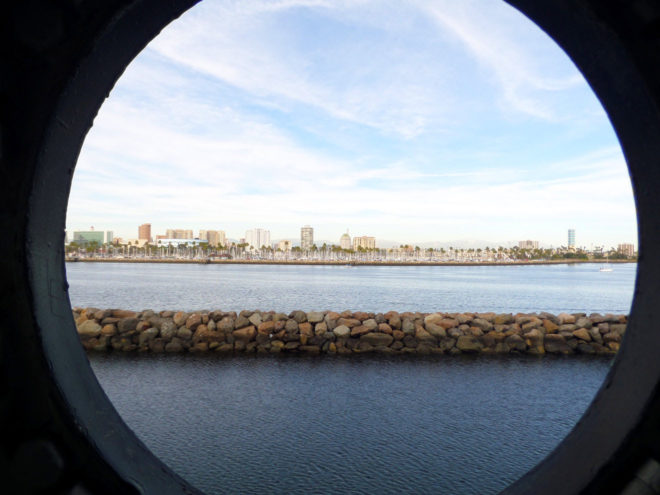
(612, 438)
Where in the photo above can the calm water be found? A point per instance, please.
(354, 424)
(350, 425)
(552, 288)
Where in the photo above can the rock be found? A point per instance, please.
(184, 333)
(515, 342)
(469, 343)
(305, 329)
(385, 328)
(299, 316)
(147, 335)
(483, 324)
(584, 348)
(266, 328)
(174, 346)
(122, 313)
(611, 337)
(127, 324)
(436, 330)
(503, 319)
(434, 318)
(407, 326)
(555, 344)
(245, 334)
(241, 322)
(550, 327)
(193, 321)
(359, 330)
(423, 336)
(618, 328)
(321, 328)
(565, 318)
(180, 318)
(377, 339)
(205, 334)
(583, 334)
(255, 319)
(349, 322)
(394, 321)
(398, 334)
(315, 317)
(370, 324)
(109, 330)
(291, 326)
(89, 328)
(455, 332)
(226, 324)
(584, 323)
(310, 349)
(167, 330)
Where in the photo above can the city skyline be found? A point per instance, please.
(259, 237)
(458, 121)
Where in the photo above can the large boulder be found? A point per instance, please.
(315, 317)
(469, 344)
(555, 344)
(89, 329)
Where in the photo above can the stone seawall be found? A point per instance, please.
(328, 332)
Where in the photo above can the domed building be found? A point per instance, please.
(345, 241)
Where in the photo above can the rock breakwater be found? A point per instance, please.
(329, 332)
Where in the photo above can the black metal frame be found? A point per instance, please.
(59, 431)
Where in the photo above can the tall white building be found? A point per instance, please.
(257, 238)
(306, 237)
(345, 241)
(571, 238)
(365, 242)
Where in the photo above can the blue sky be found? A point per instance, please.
(410, 121)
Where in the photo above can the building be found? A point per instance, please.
(284, 245)
(178, 234)
(213, 237)
(83, 237)
(175, 242)
(306, 237)
(144, 232)
(257, 238)
(364, 242)
(528, 244)
(345, 241)
(626, 249)
(571, 238)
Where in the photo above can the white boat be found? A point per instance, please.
(605, 269)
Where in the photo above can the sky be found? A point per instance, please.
(413, 122)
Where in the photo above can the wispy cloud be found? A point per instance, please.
(393, 119)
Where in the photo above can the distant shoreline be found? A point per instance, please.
(346, 263)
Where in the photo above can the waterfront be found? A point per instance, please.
(552, 288)
(351, 424)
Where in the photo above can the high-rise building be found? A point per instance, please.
(626, 249)
(179, 234)
(144, 232)
(84, 237)
(571, 238)
(345, 241)
(257, 238)
(528, 244)
(213, 237)
(306, 237)
(364, 242)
